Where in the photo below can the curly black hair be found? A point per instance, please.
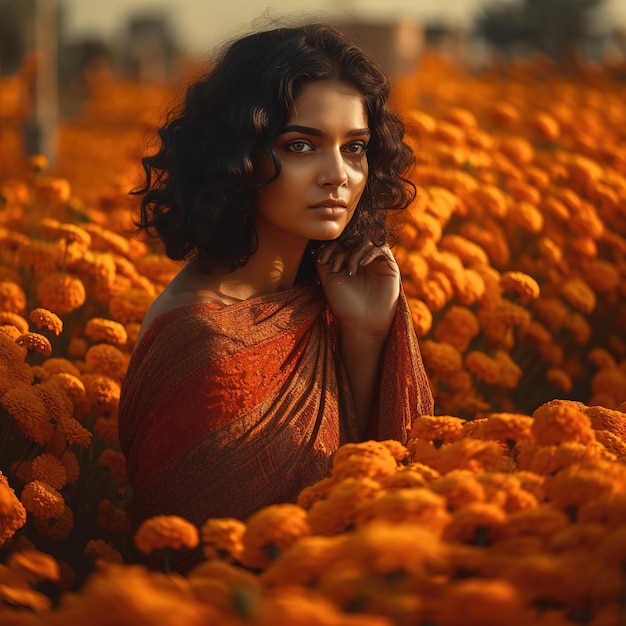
(198, 195)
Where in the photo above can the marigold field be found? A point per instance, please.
(508, 507)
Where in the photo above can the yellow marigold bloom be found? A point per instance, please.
(42, 500)
(12, 511)
(270, 531)
(48, 469)
(458, 327)
(115, 462)
(480, 602)
(507, 428)
(107, 331)
(12, 297)
(61, 293)
(99, 549)
(34, 342)
(222, 538)
(73, 432)
(34, 566)
(555, 423)
(42, 318)
(130, 306)
(521, 284)
(30, 414)
(439, 429)
(459, 488)
(7, 318)
(303, 562)
(575, 485)
(338, 511)
(482, 367)
(477, 523)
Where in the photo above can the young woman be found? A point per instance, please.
(286, 332)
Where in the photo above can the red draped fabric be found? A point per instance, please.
(227, 409)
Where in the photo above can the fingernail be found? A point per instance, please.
(349, 271)
(320, 255)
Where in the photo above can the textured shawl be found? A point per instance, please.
(227, 409)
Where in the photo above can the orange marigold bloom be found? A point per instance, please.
(73, 432)
(42, 500)
(7, 318)
(338, 511)
(30, 414)
(270, 531)
(482, 367)
(166, 531)
(48, 469)
(578, 293)
(459, 488)
(458, 327)
(72, 385)
(54, 399)
(72, 468)
(130, 306)
(521, 284)
(526, 216)
(555, 422)
(42, 318)
(601, 275)
(57, 529)
(33, 566)
(35, 342)
(440, 358)
(24, 598)
(468, 251)
(52, 190)
(107, 360)
(480, 602)
(510, 372)
(10, 331)
(477, 523)
(610, 382)
(506, 491)
(558, 377)
(543, 520)
(603, 418)
(61, 293)
(107, 429)
(471, 454)
(107, 331)
(12, 512)
(99, 549)
(112, 518)
(421, 316)
(222, 538)
(552, 311)
(508, 428)
(115, 462)
(12, 297)
(40, 257)
(77, 347)
(439, 429)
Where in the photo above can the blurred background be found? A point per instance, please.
(154, 41)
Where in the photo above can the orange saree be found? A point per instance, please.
(227, 409)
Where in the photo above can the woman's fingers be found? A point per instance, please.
(339, 261)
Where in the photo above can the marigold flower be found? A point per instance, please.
(115, 462)
(477, 523)
(40, 257)
(421, 316)
(29, 412)
(337, 512)
(33, 566)
(54, 399)
(552, 311)
(7, 318)
(107, 331)
(35, 342)
(603, 418)
(510, 372)
(578, 293)
(468, 251)
(506, 491)
(12, 297)
(458, 327)
(72, 468)
(99, 549)
(42, 318)
(61, 293)
(270, 531)
(52, 190)
(439, 429)
(440, 358)
(472, 289)
(480, 602)
(56, 529)
(42, 500)
(543, 520)
(112, 518)
(610, 382)
(12, 512)
(166, 531)
(73, 432)
(555, 423)
(471, 454)
(601, 275)
(48, 469)
(10, 331)
(25, 598)
(222, 538)
(459, 488)
(130, 306)
(482, 367)
(107, 429)
(71, 385)
(105, 239)
(560, 379)
(508, 428)
(521, 284)
(77, 347)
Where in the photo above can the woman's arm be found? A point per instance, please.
(362, 290)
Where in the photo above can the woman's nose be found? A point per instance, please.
(333, 171)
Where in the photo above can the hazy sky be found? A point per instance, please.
(200, 24)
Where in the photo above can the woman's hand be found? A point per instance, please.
(362, 287)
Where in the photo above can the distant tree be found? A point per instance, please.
(554, 27)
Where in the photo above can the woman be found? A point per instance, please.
(286, 333)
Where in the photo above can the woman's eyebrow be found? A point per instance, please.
(307, 130)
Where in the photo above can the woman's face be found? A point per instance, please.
(322, 150)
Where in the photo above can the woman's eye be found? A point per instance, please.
(299, 146)
(356, 148)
